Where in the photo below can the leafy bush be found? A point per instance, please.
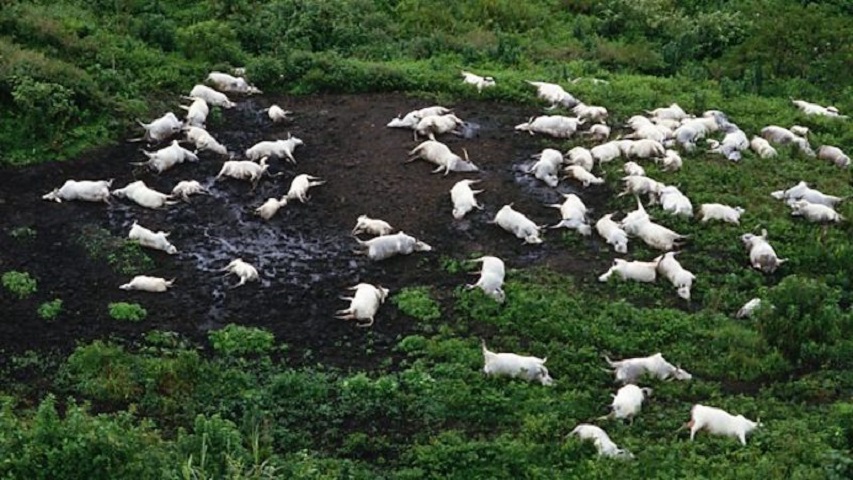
(237, 340)
(21, 284)
(50, 310)
(124, 256)
(804, 319)
(129, 312)
(416, 302)
(104, 371)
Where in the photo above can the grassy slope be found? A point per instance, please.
(437, 416)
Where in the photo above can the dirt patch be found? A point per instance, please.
(304, 254)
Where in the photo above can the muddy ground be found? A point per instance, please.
(304, 254)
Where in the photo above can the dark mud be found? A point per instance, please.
(304, 253)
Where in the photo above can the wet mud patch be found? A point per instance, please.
(305, 253)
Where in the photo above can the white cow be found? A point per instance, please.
(244, 170)
(204, 141)
(463, 198)
(762, 147)
(554, 94)
(196, 113)
(276, 148)
(160, 129)
(748, 308)
(277, 114)
(580, 156)
(184, 189)
(439, 154)
(810, 108)
(512, 365)
(630, 370)
(635, 270)
(719, 422)
(518, 224)
(678, 276)
(834, 155)
(363, 304)
(270, 208)
(491, 278)
(546, 167)
(229, 83)
(628, 401)
(244, 270)
(167, 157)
(86, 190)
(372, 226)
(143, 196)
(387, 246)
(603, 444)
(148, 284)
(299, 187)
(477, 81)
(149, 239)
(718, 211)
(761, 254)
(815, 212)
(211, 96)
(573, 214)
(433, 125)
(802, 191)
(582, 175)
(412, 118)
(612, 233)
(557, 126)
(675, 202)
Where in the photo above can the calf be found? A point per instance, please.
(196, 113)
(86, 190)
(761, 254)
(630, 370)
(678, 276)
(512, 365)
(412, 118)
(517, 224)
(463, 198)
(628, 401)
(229, 83)
(387, 246)
(148, 284)
(433, 125)
(582, 175)
(612, 233)
(580, 156)
(371, 226)
(363, 304)
(477, 81)
(719, 422)
(491, 278)
(270, 208)
(801, 191)
(675, 202)
(748, 308)
(244, 270)
(149, 239)
(204, 141)
(277, 114)
(546, 168)
(606, 152)
(718, 211)
(834, 155)
(573, 214)
(592, 113)
(603, 444)
(186, 188)
(635, 270)
(634, 169)
(815, 212)
(299, 187)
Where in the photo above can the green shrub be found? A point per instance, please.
(124, 256)
(237, 340)
(22, 233)
(104, 371)
(21, 284)
(50, 310)
(803, 319)
(129, 312)
(416, 302)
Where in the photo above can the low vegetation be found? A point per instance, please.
(19, 284)
(75, 74)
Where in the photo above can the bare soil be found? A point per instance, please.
(304, 253)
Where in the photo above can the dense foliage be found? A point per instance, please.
(74, 74)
